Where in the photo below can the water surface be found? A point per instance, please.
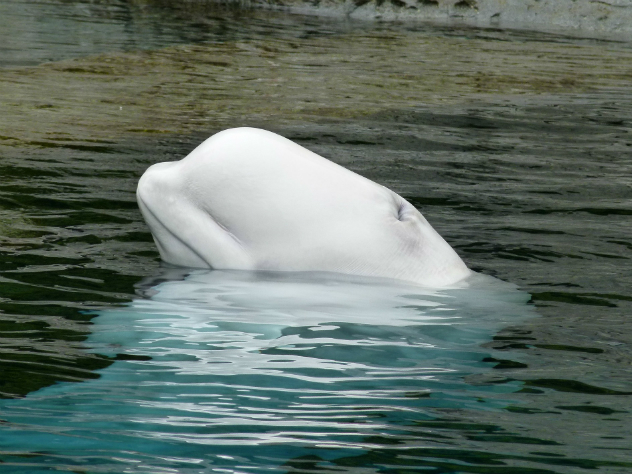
(515, 146)
(257, 370)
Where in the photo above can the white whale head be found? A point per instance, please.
(248, 199)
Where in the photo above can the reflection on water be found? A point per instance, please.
(515, 146)
(288, 364)
(39, 31)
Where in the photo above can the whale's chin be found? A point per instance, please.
(248, 199)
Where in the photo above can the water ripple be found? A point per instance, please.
(230, 359)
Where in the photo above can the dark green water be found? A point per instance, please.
(527, 176)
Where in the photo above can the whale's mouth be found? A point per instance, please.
(173, 249)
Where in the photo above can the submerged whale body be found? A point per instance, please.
(249, 199)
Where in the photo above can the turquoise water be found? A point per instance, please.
(517, 150)
(242, 371)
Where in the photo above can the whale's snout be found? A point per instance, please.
(161, 203)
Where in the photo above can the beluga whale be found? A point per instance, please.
(249, 199)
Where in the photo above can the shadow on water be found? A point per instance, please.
(292, 366)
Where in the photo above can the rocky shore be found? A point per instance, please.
(608, 19)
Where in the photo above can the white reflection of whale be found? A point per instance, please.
(248, 199)
(223, 368)
(233, 322)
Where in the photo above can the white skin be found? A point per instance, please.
(248, 199)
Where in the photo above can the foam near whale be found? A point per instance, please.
(249, 199)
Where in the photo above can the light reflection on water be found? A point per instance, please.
(279, 362)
